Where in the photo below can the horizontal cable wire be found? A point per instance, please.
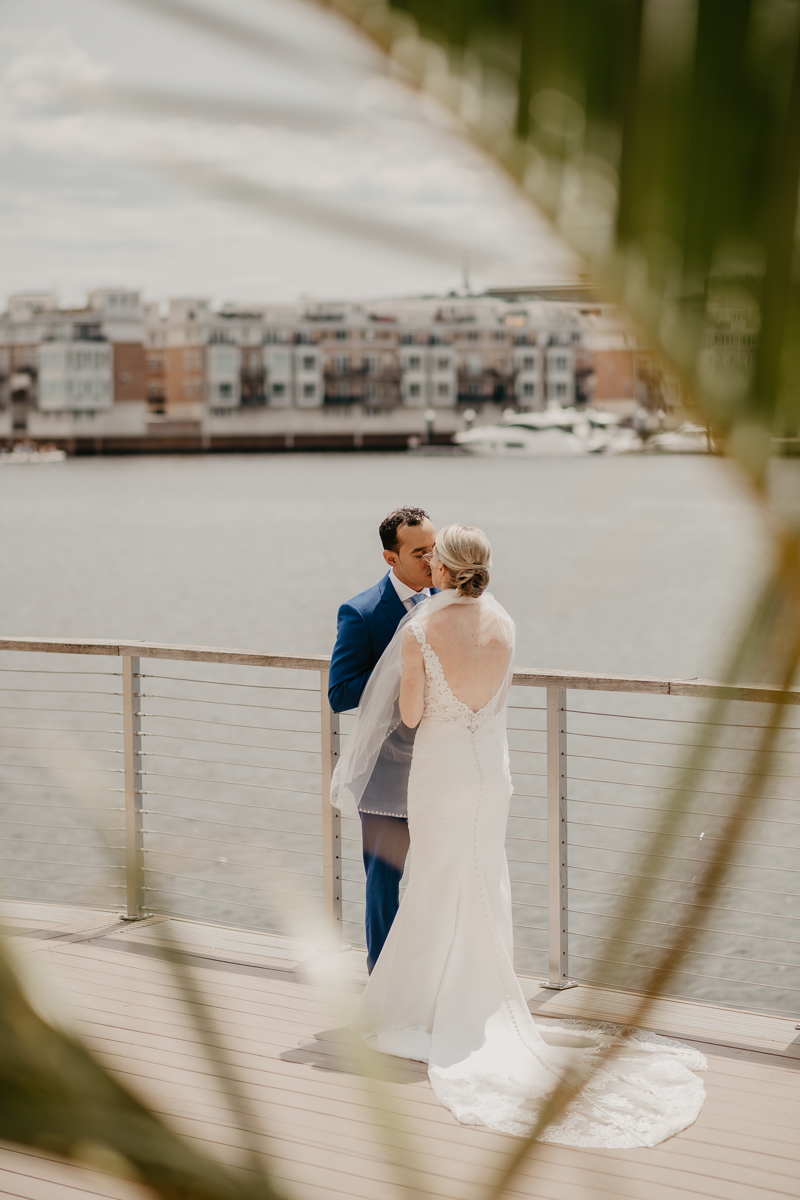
(64, 845)
(262, 687)
(667, 787)
(224, 883)
(57, 767)
(238, 903)
(61, 729)
(686, 812)
(174, 816)
(775, 987)
(588, 712)
(239, 866)
(218, 762)
(742, 912)
(152, 812)
(615, 737)
(60, 691)
(84, 808)
(668, 879)
(62, 787)
(60, 671)
(63, 750)
(217, 724)
(690, 837)
(38, 825)
(262, 829)
(98, 712)
(677, 857)
(227, 783)
(57, 882)
(762, 962)
(627, 762)
(762, 937)
(196, 837)
(50, 862)
(179, 737)
(228, 703)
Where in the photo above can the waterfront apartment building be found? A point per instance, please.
(118, 373)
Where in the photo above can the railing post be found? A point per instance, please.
(132, 743)
(331, 817)
(557, 890)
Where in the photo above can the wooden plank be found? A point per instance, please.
(324, 1132)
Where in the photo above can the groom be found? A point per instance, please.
(366, 625)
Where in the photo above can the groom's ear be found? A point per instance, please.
(390, 557)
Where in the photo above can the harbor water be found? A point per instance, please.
(629, 565)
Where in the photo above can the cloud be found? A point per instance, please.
(80, 197)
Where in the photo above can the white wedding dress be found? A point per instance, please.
(444, 990)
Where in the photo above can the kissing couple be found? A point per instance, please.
(427, 658)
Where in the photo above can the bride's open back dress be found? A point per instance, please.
(443, 990)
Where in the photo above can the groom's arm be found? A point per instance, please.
(351, 661)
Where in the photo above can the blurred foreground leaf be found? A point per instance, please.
(55, 1096)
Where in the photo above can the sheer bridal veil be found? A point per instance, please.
(378, 712)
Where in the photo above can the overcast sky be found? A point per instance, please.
(97, 195)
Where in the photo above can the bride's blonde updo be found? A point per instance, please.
(466, 553)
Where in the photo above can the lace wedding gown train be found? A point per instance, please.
(444, 990)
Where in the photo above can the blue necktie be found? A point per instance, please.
(417, 598)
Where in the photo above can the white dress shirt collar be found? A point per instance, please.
(404, 591)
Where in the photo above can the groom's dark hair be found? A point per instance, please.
(401, 516)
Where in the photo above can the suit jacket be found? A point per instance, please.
(365, 626)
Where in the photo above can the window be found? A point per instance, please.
(529, 389)
(341, 364)
(443, 364)
(341, 335)
(561, 389)
(443, 389)
(472, 335)
(561, 363)
(499, 337)
(528, 362)
(414, 363)
(226, 389)
(372, 364)
(154, 364)
(279, 389)
(309, 389)
(415, 390)
(309, 363)
(124, 378)
(192, 360)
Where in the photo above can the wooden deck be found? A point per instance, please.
(279, 1003)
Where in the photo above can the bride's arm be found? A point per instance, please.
(412, 683)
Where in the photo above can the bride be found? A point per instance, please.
(443, 990)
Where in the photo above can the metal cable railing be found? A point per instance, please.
(193, 783)
(61, 782)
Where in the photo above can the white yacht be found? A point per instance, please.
(25, 453)
(554, 432)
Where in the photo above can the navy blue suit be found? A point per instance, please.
(365, 626)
